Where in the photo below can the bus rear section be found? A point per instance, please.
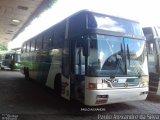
(94, 58)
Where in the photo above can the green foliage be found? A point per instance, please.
(3, 47)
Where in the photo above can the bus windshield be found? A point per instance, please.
(114, 24)
(111, 56)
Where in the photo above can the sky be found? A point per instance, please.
(144, 11)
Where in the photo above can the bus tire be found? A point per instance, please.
(57, 85)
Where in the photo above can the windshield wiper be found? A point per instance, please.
(128, 54)
(120, 63)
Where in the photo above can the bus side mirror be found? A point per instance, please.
(86, 47)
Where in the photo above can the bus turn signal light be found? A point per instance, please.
(98, 85)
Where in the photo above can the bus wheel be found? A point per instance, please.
(57, 85)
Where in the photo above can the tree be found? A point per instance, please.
(3, 47)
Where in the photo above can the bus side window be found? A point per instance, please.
(25, 48)
(47, 41)
(32, 45)
(22, 49)
(29, 46)
(57, 41)
(52, 39)
(39, 43)
(44, 43)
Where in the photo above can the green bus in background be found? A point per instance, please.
(11, 60)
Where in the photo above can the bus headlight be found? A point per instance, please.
(102, 85)
(144, 81)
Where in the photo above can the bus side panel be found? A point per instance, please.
(44, 66)
(56, 52)
(25, 61)
(55, 67)
(33, 70)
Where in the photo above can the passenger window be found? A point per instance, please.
(47, 41)
(25, 47)
(33, 45)
(39, 43)
(28, 46)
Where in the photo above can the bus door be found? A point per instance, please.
(65, 80)
(77, 70)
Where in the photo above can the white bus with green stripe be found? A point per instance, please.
(94, 58)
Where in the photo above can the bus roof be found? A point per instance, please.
(85, 11)
(103, 14)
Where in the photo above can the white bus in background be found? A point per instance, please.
(153, 52)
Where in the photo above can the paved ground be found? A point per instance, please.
(27, 100)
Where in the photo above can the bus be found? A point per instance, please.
(152, 34)
(11, 60)
(91, 57)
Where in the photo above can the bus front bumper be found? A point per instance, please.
(102, 97)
